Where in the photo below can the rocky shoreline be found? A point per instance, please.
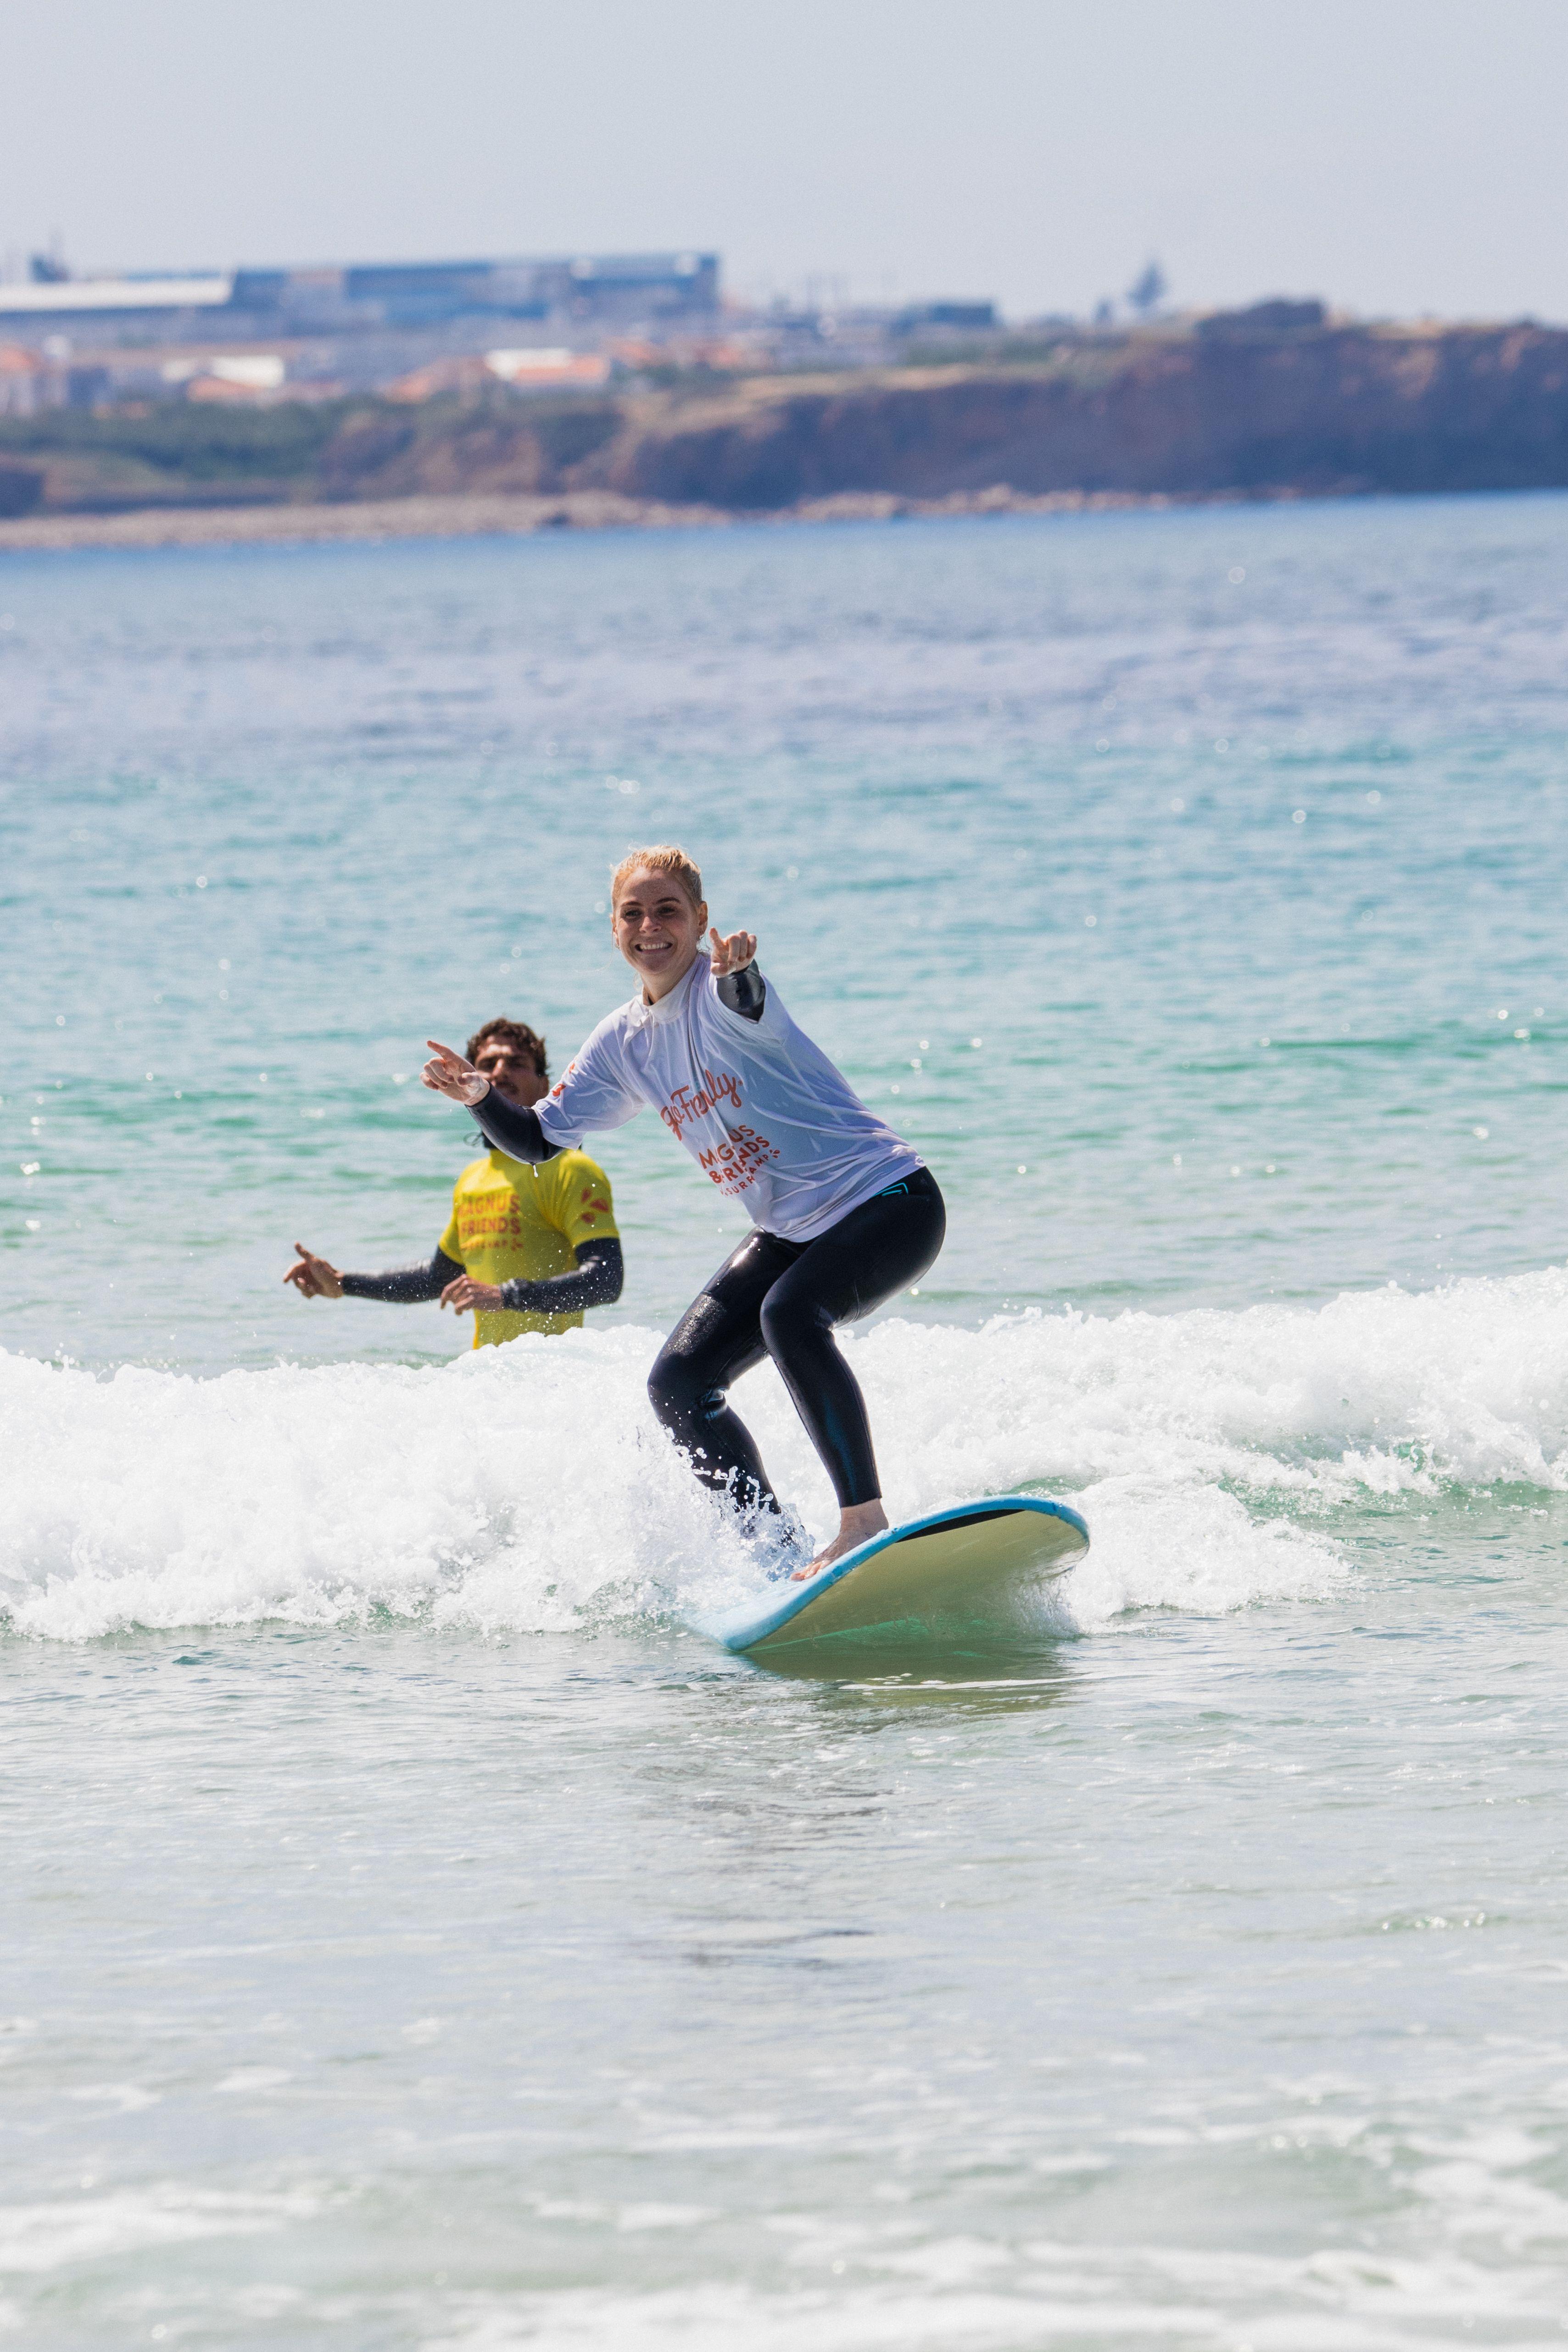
(497, 514)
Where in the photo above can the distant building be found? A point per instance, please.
(623, 289)
(544, 370)
(39, 309)
(646, 285)
(22, 385)
(966, 317)
(416, 331)
(33, 380)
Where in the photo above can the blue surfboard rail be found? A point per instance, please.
(744, 1635)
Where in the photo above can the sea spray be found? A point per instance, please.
(529, 1487)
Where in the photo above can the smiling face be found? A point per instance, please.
(657, 930)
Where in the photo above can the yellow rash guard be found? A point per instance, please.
(510, 1221)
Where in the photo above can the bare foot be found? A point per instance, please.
(857, 1524)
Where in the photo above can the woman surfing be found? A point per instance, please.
(845, 1214)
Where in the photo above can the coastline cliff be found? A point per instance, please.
(1229, 409)
(1341, 411)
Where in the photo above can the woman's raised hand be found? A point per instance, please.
(446, 1072)
(733, 954)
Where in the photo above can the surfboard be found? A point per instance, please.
(953, 1568)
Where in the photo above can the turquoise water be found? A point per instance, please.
(418, 1934)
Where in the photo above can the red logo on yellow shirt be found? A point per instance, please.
(488, 1218)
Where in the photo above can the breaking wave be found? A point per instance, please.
(529, 1489)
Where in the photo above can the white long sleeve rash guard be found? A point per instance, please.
(763, 1112)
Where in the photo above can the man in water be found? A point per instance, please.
(527, 1248)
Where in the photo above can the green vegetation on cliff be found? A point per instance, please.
(178, 454)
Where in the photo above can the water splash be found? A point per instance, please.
(529, 1487)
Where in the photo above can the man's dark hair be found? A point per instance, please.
(511, 1033)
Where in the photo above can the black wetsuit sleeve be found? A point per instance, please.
(404, 1285)
(595, 1281)
(745, 993)
(512, 1128)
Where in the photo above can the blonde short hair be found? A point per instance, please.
(662, 858)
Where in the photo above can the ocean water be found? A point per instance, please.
(416, 1933)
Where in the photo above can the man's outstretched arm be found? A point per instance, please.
(404, 1285)
(596, 1280)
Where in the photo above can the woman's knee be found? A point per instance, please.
(787, 1321)
(679, 1394)
(670, 1390)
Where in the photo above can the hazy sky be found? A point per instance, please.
(1398, 156)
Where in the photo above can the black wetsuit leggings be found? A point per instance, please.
(779, 1298)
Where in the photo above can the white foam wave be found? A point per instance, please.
(529, 1487)
(59, 2236)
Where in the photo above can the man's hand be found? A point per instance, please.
(732, 954)
(313, 1278)
(446, 1072)
(463, 1294)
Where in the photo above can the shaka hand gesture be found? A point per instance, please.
(732, 954)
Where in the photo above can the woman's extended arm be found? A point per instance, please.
(510, 1127)
(736, 979)
(745, 993)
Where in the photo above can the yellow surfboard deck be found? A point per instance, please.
(954, 1568)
